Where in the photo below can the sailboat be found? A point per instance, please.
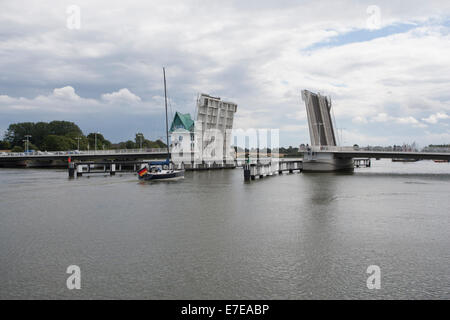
(161, 170)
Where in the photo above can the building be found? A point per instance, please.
(210, 134)
(182, 137)
(182, 121)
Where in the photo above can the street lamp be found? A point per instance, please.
(95, 150)
(27, 141)
(140, 135)
(78, 138)
(342, 137)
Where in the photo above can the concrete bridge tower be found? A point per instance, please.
(323, 138)
(321, 128)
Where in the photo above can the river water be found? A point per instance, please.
(212, 236)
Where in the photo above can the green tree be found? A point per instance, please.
(58, 143)
(16, 132)
(62, 128)
(130, 145)
(17, 149)
(121, 145)
(39, 131)
(101, 141)
(32, 147)
(160, 144)
(4, 145)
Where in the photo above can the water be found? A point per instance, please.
(212, 236)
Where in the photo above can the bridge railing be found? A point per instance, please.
(381, 149)
(83, 152)
(330, 148)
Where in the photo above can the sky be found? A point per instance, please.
(385, 65)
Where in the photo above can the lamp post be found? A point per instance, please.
(78, 140)
(27, 142)
(95, 134)
(140, 140)
(342, 136)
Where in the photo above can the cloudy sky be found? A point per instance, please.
(385, 64)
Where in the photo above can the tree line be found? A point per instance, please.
(64, 136)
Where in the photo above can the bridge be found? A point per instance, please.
(350, 152)
(324, 155)
(60, 158)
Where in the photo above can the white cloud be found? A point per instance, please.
(66, 93)
(385, 118)
(407, 120)
(359, 120)
(434, 118)
(65, 100)
(123, 95)
(381, 117)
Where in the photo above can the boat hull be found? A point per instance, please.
(162, 176)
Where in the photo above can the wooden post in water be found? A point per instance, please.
(246, 172)
(71, 170)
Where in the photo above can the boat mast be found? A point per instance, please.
(167, 123)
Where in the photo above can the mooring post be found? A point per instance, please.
(79, 170)
(246, 172)
(71, 169)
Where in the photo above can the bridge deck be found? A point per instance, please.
(392, 154)
(103, 154)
